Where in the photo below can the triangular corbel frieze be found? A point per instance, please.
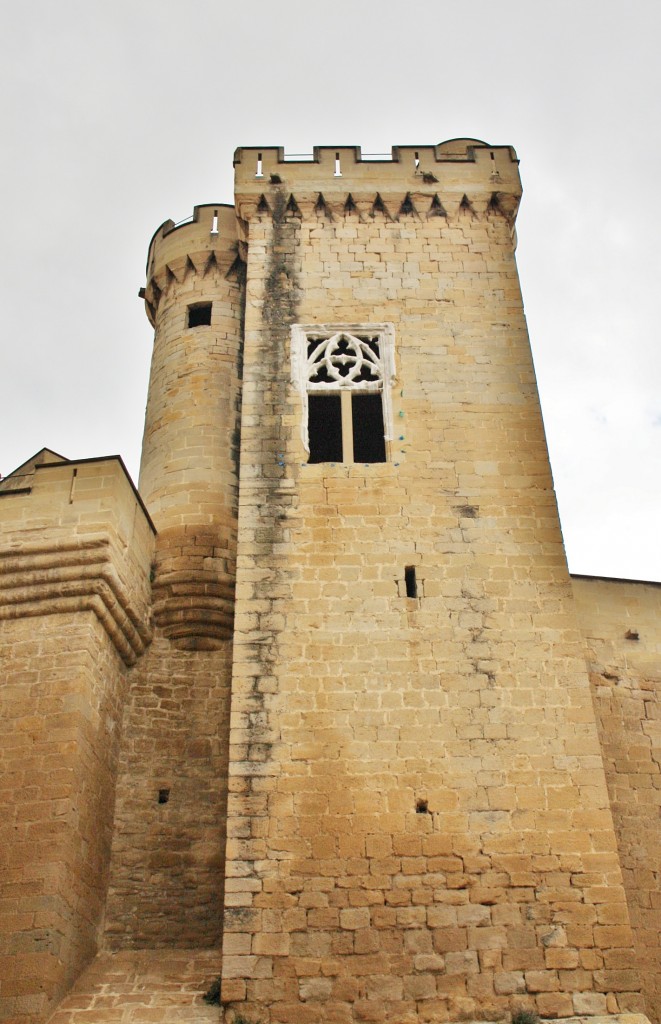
(210, 264)
(237, 270)
(350, 207)
(292, 208)
(262, 208)
(407, 207)
(363, 203)
(321, 208)
(199, 261)
(379, 206)
(457, 206)
(203, 263)
(506, 204)
(307, 203)
(436, 208)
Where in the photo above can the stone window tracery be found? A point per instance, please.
(344, 375)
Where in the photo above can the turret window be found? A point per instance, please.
(344, 375)
(199, 315)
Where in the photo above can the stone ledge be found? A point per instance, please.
(72, 576)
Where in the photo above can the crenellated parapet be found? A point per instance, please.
(204, 243)
(455, 178)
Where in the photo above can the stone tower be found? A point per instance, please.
(319, 713)
(418, 816)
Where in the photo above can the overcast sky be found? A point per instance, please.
(117, 115)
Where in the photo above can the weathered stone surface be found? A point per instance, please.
(351, 718)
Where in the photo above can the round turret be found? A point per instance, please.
(189, 467)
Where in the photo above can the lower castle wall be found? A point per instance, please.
(75, 549)
(168, 858)
(60, 707)
(625, 674)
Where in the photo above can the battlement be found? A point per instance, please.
(211, 226)
(453, 167)
(207, 238)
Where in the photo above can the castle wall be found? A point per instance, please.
(621, 623)
(419, 821)
(378, 771)
(74, 558)
(166, 883)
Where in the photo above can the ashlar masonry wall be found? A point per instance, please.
(621, 623)
(419, 819)
(75, 549)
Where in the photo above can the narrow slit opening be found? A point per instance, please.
(410, 581)
(214, 223)
(258, 172)
(338, 169)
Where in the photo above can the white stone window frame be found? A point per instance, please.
(302, 367)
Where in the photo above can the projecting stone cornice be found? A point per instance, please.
(72, 576)
(78, 539)
(393, 206)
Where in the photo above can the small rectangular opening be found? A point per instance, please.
(410, 581)
(338, 169)
(199, 315)
(369, 443)
(258, 173)
(325, 428)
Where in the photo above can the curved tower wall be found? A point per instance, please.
(188, 472)
(166, 876)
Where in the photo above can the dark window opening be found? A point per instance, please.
(421, 807)
(163, 796)
(199, 315)
(325, 428)
(369, 443)
(410, 581)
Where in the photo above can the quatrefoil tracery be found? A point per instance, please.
(344, 360)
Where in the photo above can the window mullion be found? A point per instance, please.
(347, 427)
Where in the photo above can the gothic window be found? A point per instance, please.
(344, 375)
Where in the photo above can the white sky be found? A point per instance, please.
(117, 115)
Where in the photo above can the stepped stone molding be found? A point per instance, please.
(194, 606)
(71, 576)
(193, 586)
